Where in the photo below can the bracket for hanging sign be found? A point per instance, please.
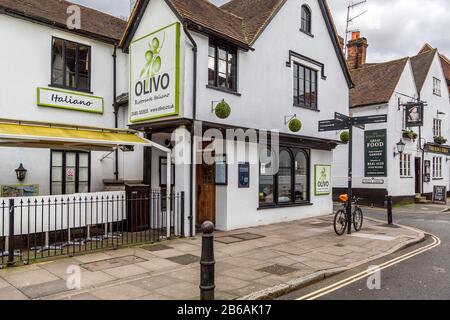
(288, 119)
(214, 104)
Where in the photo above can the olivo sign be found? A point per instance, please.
(322, 180)
(155, 75)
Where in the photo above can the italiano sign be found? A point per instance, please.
(375, 153)
(322, 180)
(155, 75)
(62, 99)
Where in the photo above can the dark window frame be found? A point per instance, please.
(217, 44)
(64, 70)
(293, 152)
(64, 168)
(297, 102)
(306, 19)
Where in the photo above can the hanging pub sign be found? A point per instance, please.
(155, 75)
(440, 195)
(375, 153)
(414, 115)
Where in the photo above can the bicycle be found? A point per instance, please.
(341, 220)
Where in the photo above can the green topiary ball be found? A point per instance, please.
(295, 125)
(345, 136)
(223, 110)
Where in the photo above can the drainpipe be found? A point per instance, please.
(194, 116)
(116, 109)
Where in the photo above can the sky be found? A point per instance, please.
(394, 28)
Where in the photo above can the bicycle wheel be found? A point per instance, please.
(358, 219)
(340, 222)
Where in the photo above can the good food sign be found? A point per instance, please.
(155, 75)
(375, 153)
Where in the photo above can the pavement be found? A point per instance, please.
(421, 276)
(254, 263)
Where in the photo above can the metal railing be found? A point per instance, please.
(45, 227)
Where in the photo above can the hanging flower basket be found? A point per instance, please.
(223, 110)
(411, 135)
(345, 137)
(295, 125)
(440, 140)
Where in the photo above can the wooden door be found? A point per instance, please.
(206, 194)
(418, 175)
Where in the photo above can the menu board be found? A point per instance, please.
(440, 195)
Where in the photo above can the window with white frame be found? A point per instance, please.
(405, 165)
(436, 86)
(437, 127)
(437, 168)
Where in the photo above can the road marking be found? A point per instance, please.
(343, 283)
(372, 236)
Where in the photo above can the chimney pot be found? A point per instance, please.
(357, 51)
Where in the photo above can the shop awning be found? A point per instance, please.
(26, 134)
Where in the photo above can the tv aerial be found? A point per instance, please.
(350, 19)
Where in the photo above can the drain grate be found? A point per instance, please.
(157, 247)
(278, 270)
(229, 240)
(248, 236)
(185, 260)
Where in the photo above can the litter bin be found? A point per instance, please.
(138, 207)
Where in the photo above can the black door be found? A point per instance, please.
(418, 175)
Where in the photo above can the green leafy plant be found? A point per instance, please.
(295, 125)
(345, 136)
(223, 110)
(411, 135)
(440, 140)
(152, 59)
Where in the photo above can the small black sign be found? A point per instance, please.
(332, 125)
(440, 195)
(244, 175)
(370, 119)
(341, 117)
(427, 173)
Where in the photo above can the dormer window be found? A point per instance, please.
(306, 19)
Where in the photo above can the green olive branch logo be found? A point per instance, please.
(153, 58)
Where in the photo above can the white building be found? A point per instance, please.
(48, 63)
(254, 55)
(387, 88)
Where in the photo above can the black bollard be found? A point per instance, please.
(389, 209)
(207, 263)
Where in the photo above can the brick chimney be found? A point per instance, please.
(357, 51)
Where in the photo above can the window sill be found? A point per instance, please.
(437, 94)
(406, 177)
(306, 108)
(70, 89)
(281, 206)
(438, 179)
(307, 33)
(223, 90)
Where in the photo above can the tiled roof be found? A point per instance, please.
(54, 12)
(255, 13)
(375, 83)
(421, 66)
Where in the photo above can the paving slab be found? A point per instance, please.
(258, 259)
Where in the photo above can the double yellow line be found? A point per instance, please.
(343, 283)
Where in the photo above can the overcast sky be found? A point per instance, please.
(394, 28)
